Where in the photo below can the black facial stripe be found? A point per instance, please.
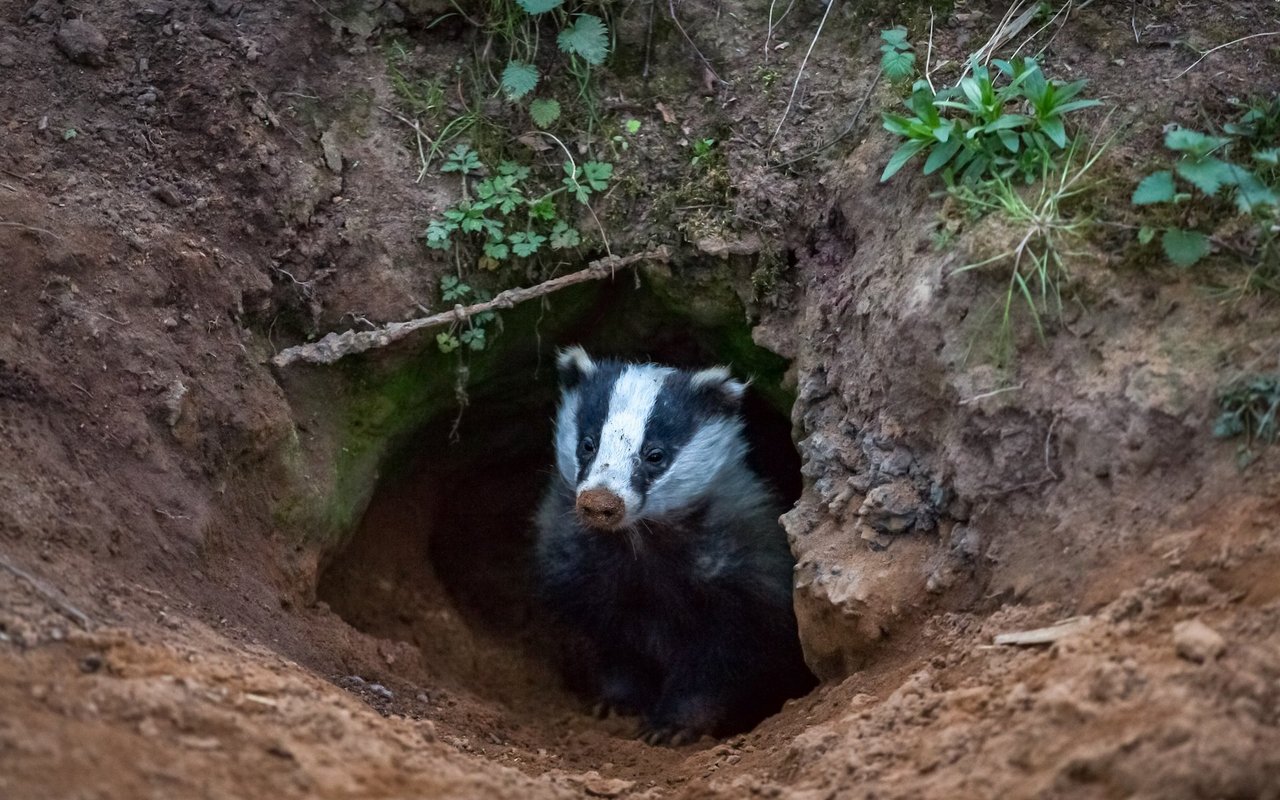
(677, 415)
(593, 407)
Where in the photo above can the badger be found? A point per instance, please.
(659, 551)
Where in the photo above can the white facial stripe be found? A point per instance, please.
(567, 437)
(712, 447)
(618, 452)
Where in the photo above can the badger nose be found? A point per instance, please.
(601, 508)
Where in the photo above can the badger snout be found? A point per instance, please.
(601, 508)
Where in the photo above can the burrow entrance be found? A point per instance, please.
(442, 557)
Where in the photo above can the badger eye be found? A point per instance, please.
(588, 446)
(655, 456)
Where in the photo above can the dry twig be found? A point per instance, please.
(337, 345)
(46, 592)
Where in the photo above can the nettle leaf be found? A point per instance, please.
(1198, 144)
(588, 37)
(1155, 188)
(544, 112)
(1184, 248)
(898, 65)
(895, 38)
(1251, 194)
(539, 6)
(526, 243)
(1206, 174)
(563, 236)
(518, 79)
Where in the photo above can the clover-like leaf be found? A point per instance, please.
(526, 243)
(564, 236)
(447, 342)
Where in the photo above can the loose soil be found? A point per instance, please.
(187, 186)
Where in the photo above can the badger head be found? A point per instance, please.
(642, 441)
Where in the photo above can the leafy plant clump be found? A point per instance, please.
(1249, 407)
(582, 37)
(507, 213)
(897, 60)
(1005, 124)
(1214, 177)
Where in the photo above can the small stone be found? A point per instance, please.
(168, 194)
(1195, 641)
(891, 507)
(221, 7)
(381, 691)
(82, 43)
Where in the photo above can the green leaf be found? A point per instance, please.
(1251, 194)
(438, 233)
(526, 243)
(544, 112)
(1193, 142)
(1146, 234)
(598, 174)
(462, 159)
(588, 37)
(496, 250)
(1054, 129)
(1010, 140)
(518, 79)
(447, 342)
(895, 37)
(1206, 174)
(543, 208)
(451, 288)
(941, 155)
(1184, 248)
(632, 126)
(1155, 188)
(900, 158)
(1269, 157)
(898, 65)
(539, 6)
(473, 338)
(563, 236)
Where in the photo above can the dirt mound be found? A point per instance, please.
(195, 603)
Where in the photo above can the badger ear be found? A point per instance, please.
(720, 386)
(574, 366)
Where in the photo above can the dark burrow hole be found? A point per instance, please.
(442, 558)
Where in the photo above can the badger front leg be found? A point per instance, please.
(703, 694)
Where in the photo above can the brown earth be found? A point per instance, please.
(187, 186)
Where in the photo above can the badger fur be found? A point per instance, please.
(662, 551)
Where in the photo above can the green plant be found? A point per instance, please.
(898, 60)
(508, 213)
(1213, 173)
(453, 290)
(582, 37)
(703, 151)
(1249, 407)
(1041, 233)
(981, 130)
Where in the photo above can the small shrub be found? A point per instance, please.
(990, 125)
(1214, 177)
(506, 213)
(1249, 407)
